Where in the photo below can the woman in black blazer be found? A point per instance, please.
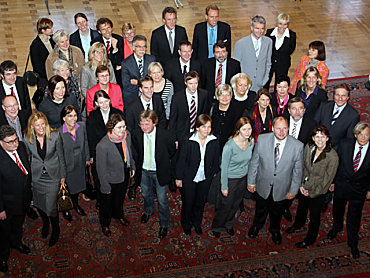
(40, 49)
(284, 43)
(311, 91)
(281, 97)
(96, 129)
(197, 163)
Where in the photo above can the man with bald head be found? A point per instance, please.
(13, 116)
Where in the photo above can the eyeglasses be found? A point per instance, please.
(10, 142)
(11, 106)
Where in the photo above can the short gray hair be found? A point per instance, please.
(259, 19)
(138, 38)
(58, 34)
(59, 63)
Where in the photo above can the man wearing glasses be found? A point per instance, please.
(15, 193)
(13, 116)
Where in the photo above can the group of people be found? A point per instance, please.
(186, 116)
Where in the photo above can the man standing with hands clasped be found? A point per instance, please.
(275, 174)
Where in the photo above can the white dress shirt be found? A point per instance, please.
(298, 127)
(256, 42)
(8, 92)
(279, 42)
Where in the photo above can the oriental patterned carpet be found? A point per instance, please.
(136, 251)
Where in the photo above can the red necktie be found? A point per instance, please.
(219, 77)
(357, 159)
(108, 47)
(12, 91)
(19, 164)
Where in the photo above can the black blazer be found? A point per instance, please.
(179, 116)
(344, 124)
(189, 159)
(23, 94)
(281, 58)
(15, 186)
(173, 72)
(135, 107)
(348, 183)
(117, 57)
(200, 39)
(164, 150)
(23, 119)
(274, 105)
(39, 54)
(209, 72)
(315, 101)
(308, 124)
(96, 128)
(245, 105)
(160, 47)
(75, 39)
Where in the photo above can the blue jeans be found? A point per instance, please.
(148, 179)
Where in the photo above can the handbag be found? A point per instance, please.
(30, 77)
(38, 97)
(64, 201)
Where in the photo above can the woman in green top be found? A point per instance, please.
(236, 156)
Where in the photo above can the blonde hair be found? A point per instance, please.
(127, 26)
(58, 34)
(30, 133)
(282, 17)
(97, 46)
(152, 65)
(223, 88)
(238, 76)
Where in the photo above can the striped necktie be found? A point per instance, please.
(141, 69)
(193, 113)
(277, 154)
(219, 77)
(19, 164)
(357, 159)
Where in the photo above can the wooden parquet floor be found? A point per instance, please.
(344, 25)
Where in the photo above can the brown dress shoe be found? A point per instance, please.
(106, 231)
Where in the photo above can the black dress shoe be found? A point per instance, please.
(230, 231)
(303, 244)
(198, 230)
(187, 232)
(145, 218)
(79, 210)
(355, 252)
(332, 234)
(291, 229)
(3, 266)
(253, 232)
(54, 238)
(124, 222)
(162, 232)
(67, 215)
(216, 234)
(106, 231)
(24, 249)
(131, 193)
(31, 213)
(288, 215)
(276, 238)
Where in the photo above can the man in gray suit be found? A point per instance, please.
(134, 67)
(254, 53)
(275, 174)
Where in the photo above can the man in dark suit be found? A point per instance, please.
(207, 33)
(146, 101)
(15, 193)
(113, 43)
(12, 84)
(84, 35)
(176, 68)
(153, 149)
(186, 106)
(13, 116)
(351, 185)
(134, 67)
(218, 70)
(275, 174)
(166, 39)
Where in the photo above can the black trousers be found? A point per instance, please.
(96, 180)
(278, 70)
(111, 205)
(271, 208)
(354, 214)
(10, 234)
(313, 205)
(194, 197)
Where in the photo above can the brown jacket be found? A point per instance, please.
(318, 175)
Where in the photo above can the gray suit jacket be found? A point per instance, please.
(109, 163)
(258, 68)
(286, 177)
(54, 161)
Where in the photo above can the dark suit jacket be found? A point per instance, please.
(75, 39)
(179, 116)
(23, 94)
(209, 72)
(281, 58)
(315, 101)
(135, 107)
(117, 57)
(344, 124)
(200, 39)
(308, 124)
(96, 128)
(160, 47)
(173, 72)
(15, 186)
(348, 183)
(247, 105)
(23, 119)
(39, 54)
(164, 151)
